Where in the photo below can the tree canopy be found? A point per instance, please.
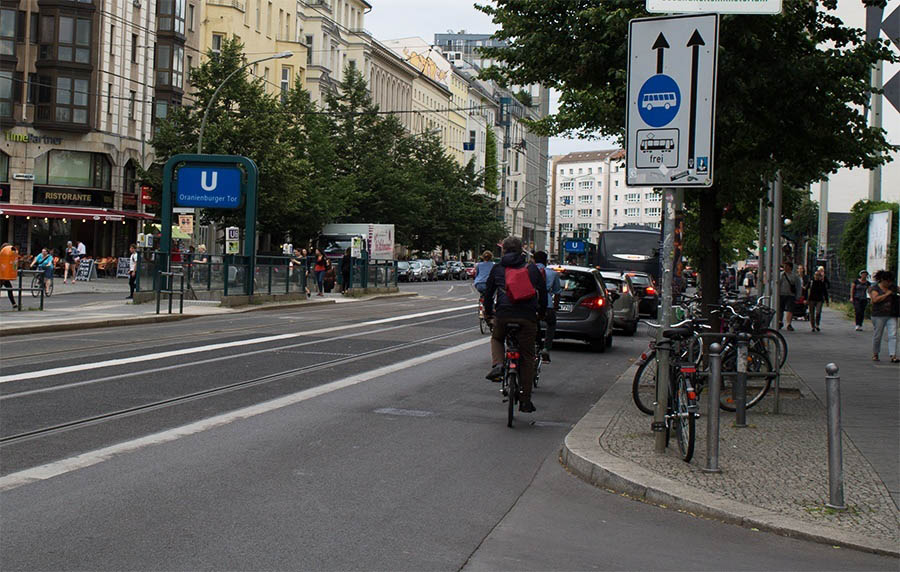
(791, 95)
(345, 163)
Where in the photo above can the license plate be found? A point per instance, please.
(565, 307)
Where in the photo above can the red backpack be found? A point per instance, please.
(518, 285)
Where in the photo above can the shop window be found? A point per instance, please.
(4, 168)
(8, 32)
(72, 169)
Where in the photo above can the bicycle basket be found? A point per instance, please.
(762, 317)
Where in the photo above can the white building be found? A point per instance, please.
(588, 193)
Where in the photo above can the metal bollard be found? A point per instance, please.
(712, 417)
(835, 452)
(740, 382)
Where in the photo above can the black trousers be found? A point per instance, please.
(859, 310)
(132, 282)
(8, 284)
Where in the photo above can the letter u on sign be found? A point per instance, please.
(206, 186)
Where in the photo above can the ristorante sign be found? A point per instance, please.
(74, 197)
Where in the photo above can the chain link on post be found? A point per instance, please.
(835, 451)
(712, 419)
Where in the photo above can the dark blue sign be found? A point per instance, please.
(659, 100)
(209, 187)
(575, 246)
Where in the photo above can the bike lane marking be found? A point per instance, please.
(210, 347)
(64, 466)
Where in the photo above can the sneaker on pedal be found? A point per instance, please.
(526, 406)
(545, 356)
(496, 373)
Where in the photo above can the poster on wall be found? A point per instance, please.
(879, 239)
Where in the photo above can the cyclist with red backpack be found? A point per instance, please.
(521, 293)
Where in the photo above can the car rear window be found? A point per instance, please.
(613, 284)
(576, 284)
(640, 280)
(401, 265)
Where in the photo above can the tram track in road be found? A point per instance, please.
(216, 391)
(157, 340)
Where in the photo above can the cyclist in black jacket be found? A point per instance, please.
(525, 313)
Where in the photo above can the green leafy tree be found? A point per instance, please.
(790, 97)
(855, 239)
(243, 120)
(490, 163)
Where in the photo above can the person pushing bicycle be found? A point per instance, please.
(521, 298)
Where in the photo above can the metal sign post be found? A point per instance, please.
(671, 198)
(670, 116)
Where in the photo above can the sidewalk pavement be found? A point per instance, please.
(101, 303)
(774, 472)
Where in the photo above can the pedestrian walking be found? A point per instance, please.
(885, 304)
(859, 296)
(818, 295)
(788, 291)
(321, 265)
(330, 276)
(749, 282)
(346, 263)
(69, 261)
(9, 258)
(132, 270)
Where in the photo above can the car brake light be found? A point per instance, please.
(650, 290)
(593, 302)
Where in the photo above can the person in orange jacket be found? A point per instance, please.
(9, 257)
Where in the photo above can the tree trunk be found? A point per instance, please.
(711, 223)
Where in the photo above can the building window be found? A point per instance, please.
(566, 199)
(633, 197)
(617, 182)
(109, 89)
(134, 48)
(71, 100)
(566, 227)
(285, 81)
(72, 169)
(584, 226)
(632, 212)
(653, 196)
(170, 65)
(258, 10)
(161, 110)
(567, 185)
(309, 50)
(171, 16)
(590, 170)
(580, 170)
(129, 178)
(566, 213)
(652, 211)
(132, 95)
(585, 185)
(585, 199)
(4, 167)
(8, 32)
(191, 17)
(217, 43)
(72, 42)
(6, 93)
(585, 212)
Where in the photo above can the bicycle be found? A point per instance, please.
(538, 358)
(484, 325)
(38, 282)
(682, 407)
(510, 386)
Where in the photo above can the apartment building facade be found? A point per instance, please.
(589, 195)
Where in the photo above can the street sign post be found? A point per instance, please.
(670, 116)
(708, 6)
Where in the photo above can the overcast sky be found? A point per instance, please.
(391, 19)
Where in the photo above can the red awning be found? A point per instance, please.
(49, 211)
(135, 214)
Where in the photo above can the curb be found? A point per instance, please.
(155, 319)
(583, 456)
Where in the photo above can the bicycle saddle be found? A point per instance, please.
(678, 333)
(513, 327)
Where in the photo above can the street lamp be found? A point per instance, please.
(277, 56)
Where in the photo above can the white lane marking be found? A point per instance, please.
(63, 466)
(450, 289)
(196, 363)
(224, 345)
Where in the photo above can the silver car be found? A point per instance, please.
(625, 307)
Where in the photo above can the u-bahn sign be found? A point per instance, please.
(670, 116)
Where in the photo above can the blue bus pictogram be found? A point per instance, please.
(659, 100)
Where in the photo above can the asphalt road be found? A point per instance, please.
(361, 437)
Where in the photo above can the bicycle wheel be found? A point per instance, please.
(483, 326)
(36, 285)
(767, 346)
(512, 382)
(685, 423)
(643, 388)
(49, 291)
(757, 387)
(538, 362)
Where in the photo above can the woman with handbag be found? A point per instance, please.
(885, 303)
(788, 290)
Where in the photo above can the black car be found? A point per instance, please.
(457, 271)
(442, 272)
(585, 307)
(403, 271)
(646, 290)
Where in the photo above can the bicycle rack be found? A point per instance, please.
(170, 291)
(20, 289)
